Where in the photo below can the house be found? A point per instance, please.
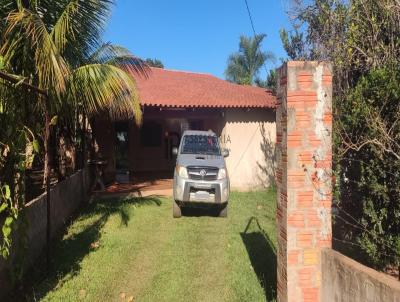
(173, 101)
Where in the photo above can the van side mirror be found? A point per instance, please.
(225, 152)
(175, 151)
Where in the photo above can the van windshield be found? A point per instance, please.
(200, 144)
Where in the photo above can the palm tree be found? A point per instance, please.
(244, 65)
(69, 62)
(55, 46)
(154, 63)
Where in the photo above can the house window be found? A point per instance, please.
(151, 134)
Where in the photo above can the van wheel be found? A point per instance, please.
(176, 210)
(223, 211)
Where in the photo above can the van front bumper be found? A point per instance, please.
(201, 191)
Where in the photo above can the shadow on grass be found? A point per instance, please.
(198, 211)
(262, 254)
(67, 254)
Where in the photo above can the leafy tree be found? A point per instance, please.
(371, 190)
(361, 38)
(244, 66)
(294, 44)
(154, 63)
(270, 82)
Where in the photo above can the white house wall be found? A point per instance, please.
(250, 137)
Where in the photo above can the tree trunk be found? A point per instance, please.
(83, 140)
(46, 179)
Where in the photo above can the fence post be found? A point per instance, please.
(304, 177)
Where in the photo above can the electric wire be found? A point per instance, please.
(250, 17)
(258, 127)
(254, 30)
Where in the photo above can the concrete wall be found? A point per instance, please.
(66, 197)
(345, 280)
(250, 137)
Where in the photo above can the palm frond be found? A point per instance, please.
(236, 70)
(243, 66)
(50, 66)
(5, 7)
(63, 30)
(101, 87)
(120, 56)
(76, 26)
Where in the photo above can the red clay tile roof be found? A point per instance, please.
(168, 88)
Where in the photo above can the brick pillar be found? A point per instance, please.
(304, 157)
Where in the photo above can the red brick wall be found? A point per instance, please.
(304, 177)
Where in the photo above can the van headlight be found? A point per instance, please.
(181, 171)
(222, 173)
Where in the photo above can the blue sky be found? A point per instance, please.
(195, 35)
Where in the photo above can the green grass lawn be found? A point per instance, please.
(119, 249)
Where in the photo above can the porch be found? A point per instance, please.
(136, 156)
(141, 185)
